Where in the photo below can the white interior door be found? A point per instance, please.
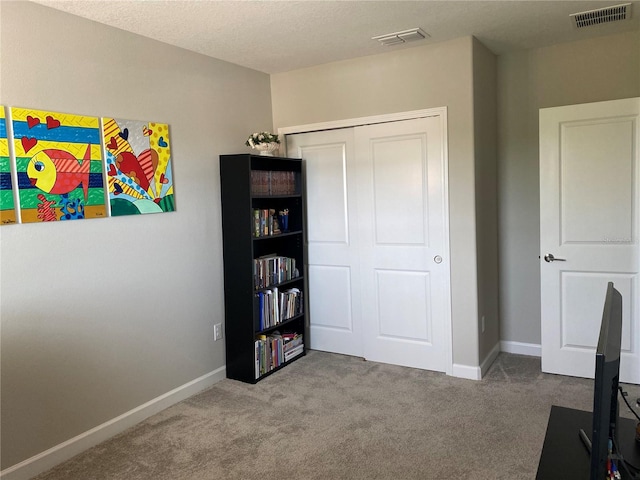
(332, 235)
(589, 212)
(404, 254)
(377, 241)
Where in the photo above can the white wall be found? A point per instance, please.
(410, 79)
(100, 316)
(604, 68)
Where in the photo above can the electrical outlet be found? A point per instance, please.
(217, 331)
(482, 323)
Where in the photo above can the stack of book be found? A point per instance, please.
(265, 222)
(273, 269)
(290, 303)
(265, 182)
(275, 307)
(273, 350)
(293, 345)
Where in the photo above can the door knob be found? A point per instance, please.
(437, 259)
(550, 258)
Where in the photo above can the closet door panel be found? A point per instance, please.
(334, 271)
(403, 254)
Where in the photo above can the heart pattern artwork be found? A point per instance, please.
(28, 143)
(32, 122)
(138, 156)
(52, 122)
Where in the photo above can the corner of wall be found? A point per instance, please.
(486, 195)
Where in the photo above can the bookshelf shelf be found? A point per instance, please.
(277, 235)
(279, 367)
(264, 281)
(281, 284)
(271, 197)
(280, 325)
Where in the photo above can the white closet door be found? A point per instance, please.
(403, 245)
(334, 270)
(377, 241)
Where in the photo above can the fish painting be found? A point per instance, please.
(59, 169)
(58, 172)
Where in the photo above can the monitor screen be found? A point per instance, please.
(605, 398)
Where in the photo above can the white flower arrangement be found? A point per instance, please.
(260, 138)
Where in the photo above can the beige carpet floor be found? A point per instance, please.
(330, 416)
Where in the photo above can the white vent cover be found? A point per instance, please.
(601, 15)
(404, 36)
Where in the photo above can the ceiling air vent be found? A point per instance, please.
(401, 37)
(601, 15)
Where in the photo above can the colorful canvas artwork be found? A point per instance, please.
(59, 165)
(138, 160)
(7, 204)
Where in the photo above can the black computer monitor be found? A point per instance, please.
(605, 396)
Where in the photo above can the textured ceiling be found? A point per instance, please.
(277, 36)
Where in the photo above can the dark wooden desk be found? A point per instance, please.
(564, 456)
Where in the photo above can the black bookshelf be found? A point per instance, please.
(251, 183)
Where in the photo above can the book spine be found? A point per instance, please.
(274, 307)
(256, 222)
(257, 358)
(261, 309)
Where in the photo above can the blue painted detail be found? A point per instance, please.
(95, 180)
(71, 209)
(5, 181)
(59, 134)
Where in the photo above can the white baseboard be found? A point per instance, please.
(466, 371)
(476, 373)
(519, 348)
(50, 458)
(489, 359)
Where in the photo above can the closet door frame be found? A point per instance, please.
(440, 112)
